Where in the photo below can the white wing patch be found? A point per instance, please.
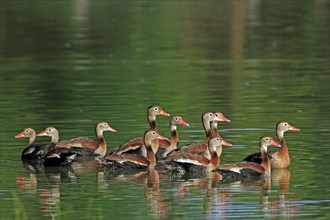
(136, 162)
(236, 170)
(182, 160)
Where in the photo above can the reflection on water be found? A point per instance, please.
(218, 201)
(155, 198)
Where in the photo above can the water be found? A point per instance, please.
(71, 64)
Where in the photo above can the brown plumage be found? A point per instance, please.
(98, 146)
(182, 163)
(167, 146)
(202, 147)
(246, 169)
(125, 161)
(281, 158)
(136, 143)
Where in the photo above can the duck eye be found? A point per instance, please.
(49, 129)
(211, 114)
(286, 124)
(176, 119)
(105, 124)
(267, 139)
(27, 131)
(156, 108)
(154, 133)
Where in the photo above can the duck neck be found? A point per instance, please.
(174, 140)
(219, 150)
(151, 147)
(174, 135)
(265, 159)
(53, 143)
(214, 162)
(54, 139)
(32, 139)
(152, 122)
(151, 157)
(207, 128)
(102, 149)
(280, 137)
(207, 154)
(99, 133)
(214, 127)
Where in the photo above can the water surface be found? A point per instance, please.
(71, 64)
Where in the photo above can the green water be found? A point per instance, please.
(71, 64)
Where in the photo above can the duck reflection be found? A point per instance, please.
(220, 199)
(281, 178)
(134, 176)
(33, 166)
(216, 199)
(102, 183)
(49, 198)
(285, 207)
(208, 184)
(57, 175)
(155, 199)
(281, 206)
(29, 184)
(156, 202)
(50, 201)
(84, 165)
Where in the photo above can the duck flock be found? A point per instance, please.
(154, 151)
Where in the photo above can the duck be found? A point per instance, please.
(87, 146)
(246, 169)
(166, 146)
(136, 145)
(214, 128)
(136, 161)
(31, 151)
(281, 158)
(56, 156)
(202, 147)
(190, 162)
